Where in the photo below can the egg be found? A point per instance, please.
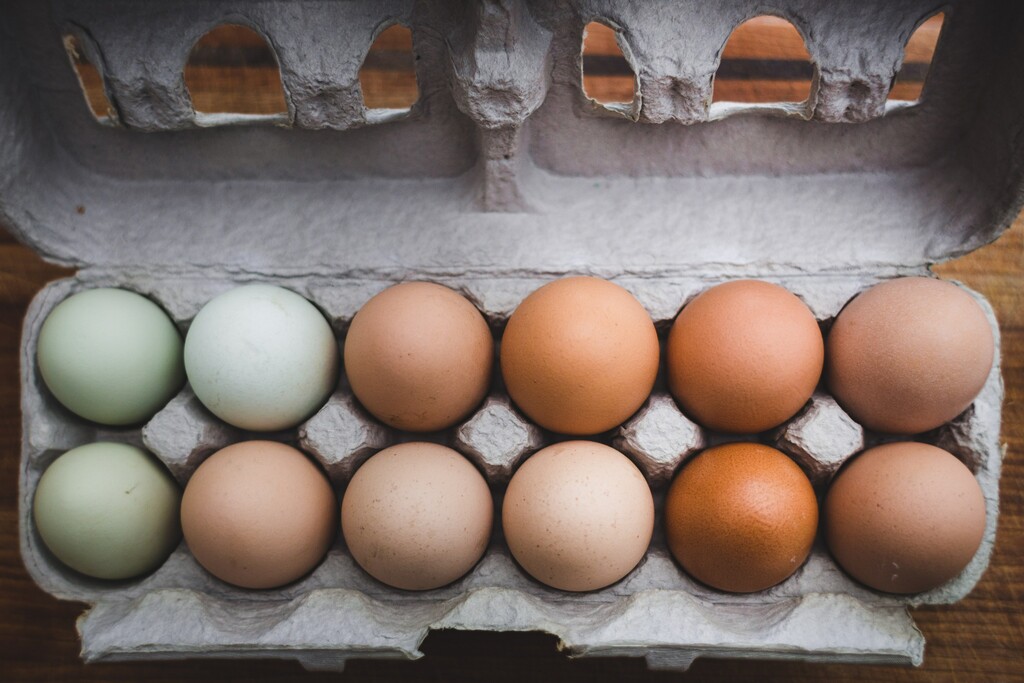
(261, 357)
(108, 510)
(909, 354)
(258, 514)
(417, 516)
(741, 517)
(744, 356)
(904, 517)
(110, 356)
(579, 355)
(578, 516)
(419, 356)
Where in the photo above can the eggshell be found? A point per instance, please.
(578, 516)
(417, 516)
(904, 517)
(419, 356)
(108, 510)
(579, 355)
(741, 517)
(261, 357)
(110, 356)
(909, 354)
(744, 356)
(258, 514)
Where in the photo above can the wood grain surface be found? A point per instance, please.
(978, 639)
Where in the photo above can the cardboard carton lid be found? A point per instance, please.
(505, 166)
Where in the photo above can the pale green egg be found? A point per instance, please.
(111, 356)
(108, 510)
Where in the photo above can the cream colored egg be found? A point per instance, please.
(578, 515)
(417, 516)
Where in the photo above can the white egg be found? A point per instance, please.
(261, 357)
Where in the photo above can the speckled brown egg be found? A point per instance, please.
(909, 354)
(578, 515)
(258, 514)
(904, 517)
(419, 356)
(741, 517)
(744, 356)
(417, 516)
(579, 355)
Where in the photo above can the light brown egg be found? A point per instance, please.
(417, 516)
(904, 517)
(579, 355)
(744, 356)
(909, 354)
(258, 514)
(741, 517)
(419, 356)
(578, 515)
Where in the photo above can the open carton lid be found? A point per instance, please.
(505, 166)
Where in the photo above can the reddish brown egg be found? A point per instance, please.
(258, 514)
(904, 517)
(741, 517)
(419, 356)
(909, 354)
(744, 356)
(579, 355)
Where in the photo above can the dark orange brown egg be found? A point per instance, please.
(741, 517)
(579, 355)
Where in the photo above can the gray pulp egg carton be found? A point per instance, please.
(503, 176)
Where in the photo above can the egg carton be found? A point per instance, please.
(503, 176)
(338, 611)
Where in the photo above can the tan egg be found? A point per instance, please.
(258, 514)
(578, 516)
(744, 356)
(417, 516)
(579, 355)
(909, 354)
(419, 356)
(904, 517)
(741, 517)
